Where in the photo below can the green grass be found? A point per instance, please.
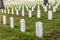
(51, 28)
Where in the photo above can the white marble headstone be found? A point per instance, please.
(39, 29)
(23, 10)
(8, 11)
(22, 25)
(50, 15)
(11, 22)
(5, 11)
(12, 10)
(32, 8)
(54, 9)
(27, 8)
(4, 20)
(45, 9)
(19, 8)
(38, 13)
(49, 6)
(2, 10)
(30, 13)
(17, 12)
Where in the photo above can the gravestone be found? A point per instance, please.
(43, 6)
(38, 13)
(12, 10)
(50, 15)
(11, 22)
(4, 20)
(27, 8)
(8, 11)
(17, 12)
(49, 6)
(39, 29)
(54, 8)
(57, 5)
(2, 10)
(45, 9)
(5, 11)
(19, 7)
(23, 11)
(22, 25)
(32, 8)
(30, 13)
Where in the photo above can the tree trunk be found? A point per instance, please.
(1, 4)
(45, 2)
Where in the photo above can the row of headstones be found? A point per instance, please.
(38, 10)
(55, 7)
(39, 14)
(44, 7)
(39, 28)
(50, 12)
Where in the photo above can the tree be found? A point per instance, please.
(45, 2)
(1, 4)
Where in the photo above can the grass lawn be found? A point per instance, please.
(51, 28)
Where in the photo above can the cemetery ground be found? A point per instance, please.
(51, 28)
